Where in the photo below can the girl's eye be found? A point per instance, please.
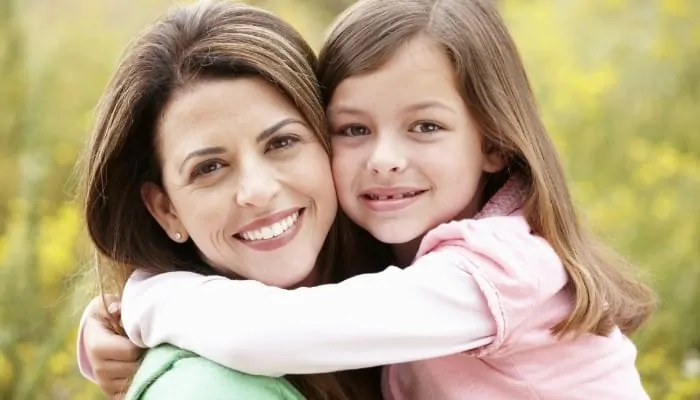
(354, 130)
(282, 142)
(425, 127)
(206, 168)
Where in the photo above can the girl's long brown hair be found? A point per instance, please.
(494, 85)
(219, 40)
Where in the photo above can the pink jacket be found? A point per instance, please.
(522, 281)
(477, 306)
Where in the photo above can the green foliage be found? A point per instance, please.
(619, 87)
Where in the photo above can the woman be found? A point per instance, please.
(211, 135)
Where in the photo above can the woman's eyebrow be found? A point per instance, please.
(274, 128)
(207, 151)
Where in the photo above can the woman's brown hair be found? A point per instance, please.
(210, 40)
(492, 81)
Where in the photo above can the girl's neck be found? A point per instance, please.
(511, 199)
(406, 252)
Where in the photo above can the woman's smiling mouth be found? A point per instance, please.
(273, 232)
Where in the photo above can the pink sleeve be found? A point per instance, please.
(430, 309)
(83, 362)
(515, 270)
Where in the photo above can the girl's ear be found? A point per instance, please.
(494, 161)
(158, 204)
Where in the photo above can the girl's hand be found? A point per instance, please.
(114, 358)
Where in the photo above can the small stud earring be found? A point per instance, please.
(178, 236)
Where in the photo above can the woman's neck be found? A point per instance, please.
(312, 279)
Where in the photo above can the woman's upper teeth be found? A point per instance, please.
(273, 230)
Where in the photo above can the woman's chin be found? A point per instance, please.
(303, 277)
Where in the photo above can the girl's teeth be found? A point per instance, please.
(393, 197)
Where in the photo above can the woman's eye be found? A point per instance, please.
(425, 127)
(207, 168)
(354, 130)
(282, 142)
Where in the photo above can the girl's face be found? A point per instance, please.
(407, 155)
(245, 178)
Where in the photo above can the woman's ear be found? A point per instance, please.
(158, 204)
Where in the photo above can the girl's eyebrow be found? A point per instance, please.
(344, 109)
(419, 106)
(423, 105)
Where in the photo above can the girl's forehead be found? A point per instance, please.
(419, 75)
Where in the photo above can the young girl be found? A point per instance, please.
(439, 151)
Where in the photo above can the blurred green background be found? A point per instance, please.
(619, 86)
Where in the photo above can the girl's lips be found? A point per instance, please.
(393, 195)
(391, 202)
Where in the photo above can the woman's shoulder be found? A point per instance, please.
(168, 372)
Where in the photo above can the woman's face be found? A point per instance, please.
(245, 178)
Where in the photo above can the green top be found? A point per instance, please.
(168, 372)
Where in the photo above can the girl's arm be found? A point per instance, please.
(84, 364)
(430, 309)
(105, 357)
